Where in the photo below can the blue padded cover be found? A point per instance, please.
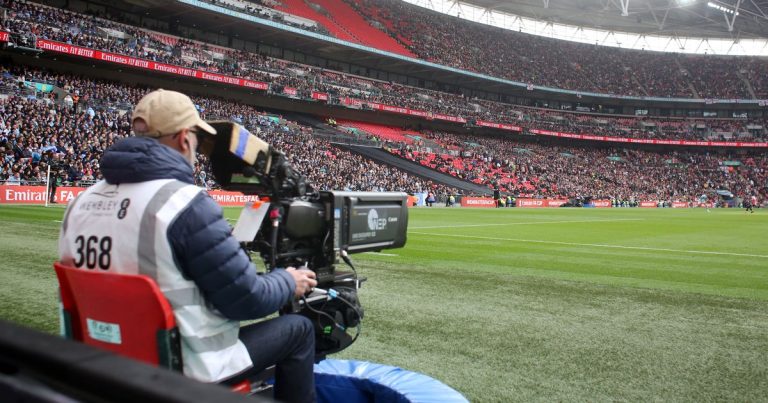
(364, 382)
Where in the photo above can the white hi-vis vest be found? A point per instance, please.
(123, 228)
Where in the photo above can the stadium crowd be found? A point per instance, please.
(537, 60)
(554, 63)
(42, 130)
(292, 79)
(37, 131)
(556, 171)
(93, 114)
(265, 10)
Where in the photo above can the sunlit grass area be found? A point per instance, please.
(528, 305)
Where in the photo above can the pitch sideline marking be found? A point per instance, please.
(528, 223)
(597, 245)
(381, 254)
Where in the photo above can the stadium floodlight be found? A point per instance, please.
(722, 8)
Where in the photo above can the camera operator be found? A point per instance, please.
(148, 217)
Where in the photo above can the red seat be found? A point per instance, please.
(123, 313)
(127, 314)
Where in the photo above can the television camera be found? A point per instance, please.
(304, 228)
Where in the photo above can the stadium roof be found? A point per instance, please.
(732, 21)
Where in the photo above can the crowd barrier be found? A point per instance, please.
(60, 47)
(10, 194)
(540, 203)
(485, 202)
(741, 144)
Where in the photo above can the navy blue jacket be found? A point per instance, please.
(203, 246)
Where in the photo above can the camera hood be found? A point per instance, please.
(236, 154)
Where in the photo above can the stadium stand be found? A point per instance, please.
(37, 131)
(93, 114)
(259, 9)
(380, 132)
(79, 134)
(302, 9)
(360, 29)
(90, 31)
(520, 57)
(434, 36)
(544, 171)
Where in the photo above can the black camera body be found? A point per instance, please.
(316, 231)
(304, 228)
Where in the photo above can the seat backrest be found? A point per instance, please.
(123, 313)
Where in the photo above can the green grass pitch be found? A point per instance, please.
(528, 305)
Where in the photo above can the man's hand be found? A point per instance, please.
(304, 279)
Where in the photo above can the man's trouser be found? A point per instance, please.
(288, 342)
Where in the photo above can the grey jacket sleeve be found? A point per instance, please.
(208, 254)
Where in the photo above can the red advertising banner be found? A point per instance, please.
(320, 96)
(478, 202)
(530, 203)
(395, 109)
(648, 204)
(601, 203)
(60, 47)
(403, 111)
(650, 141)
(680, 205)
(449, 118)
(540, 203)
(422, 114)
(4, 36)
(352, 102)
(502, 126)
(290, 91)
(556, 202)
(10, 194)
(66, 194)
(231, 199)
(387, 108)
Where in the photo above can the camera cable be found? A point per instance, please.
(333, 294)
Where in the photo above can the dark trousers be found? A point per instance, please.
(288, 342)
